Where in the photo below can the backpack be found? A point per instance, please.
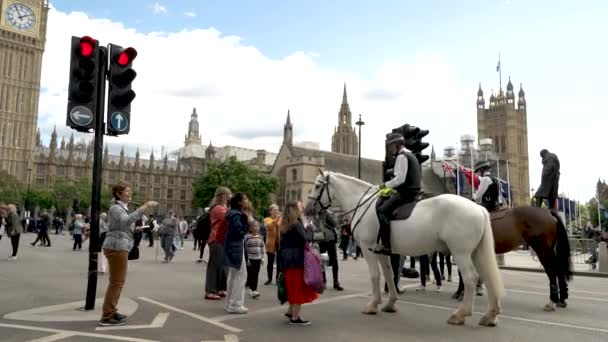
(203, 226)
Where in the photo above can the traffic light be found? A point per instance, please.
(84, 83)
(120, 94)
(413, 140)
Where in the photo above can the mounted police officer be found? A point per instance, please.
(403, 188)
(488, 193)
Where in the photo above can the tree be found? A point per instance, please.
(238, 177)
(11, 190)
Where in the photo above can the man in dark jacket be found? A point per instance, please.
(549, 180)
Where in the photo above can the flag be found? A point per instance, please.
(448, 169)
(498, 66)
(460, 181)
(471, 176)
(505, 189)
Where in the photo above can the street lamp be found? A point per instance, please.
(27, 196)
(360, 123)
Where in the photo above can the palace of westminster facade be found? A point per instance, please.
(169, 181)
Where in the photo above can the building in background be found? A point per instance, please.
(507, 125)
(21, 50)
(345, 140)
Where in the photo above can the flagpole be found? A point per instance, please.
(599, 213)
(457, 172)
(472, 174)
(499, 67)
(509, 185)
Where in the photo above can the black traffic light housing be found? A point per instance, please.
(413, 141)
(84, 83)
(120, 94)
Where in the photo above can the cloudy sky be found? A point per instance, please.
(243, 64)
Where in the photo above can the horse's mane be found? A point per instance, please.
(357, 181)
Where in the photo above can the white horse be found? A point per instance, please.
(441, 223)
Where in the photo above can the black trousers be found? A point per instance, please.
(216, 273)
(329, 247)
(448, 262)
(270, 265)
(201, 244)
(77, 241)
(344, 240)
(385, 212)
(15, 243)
(43, 237)
(424, 269)
(253, 271)
(149, 236)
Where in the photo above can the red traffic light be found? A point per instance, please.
(126, 56)
(87, 46)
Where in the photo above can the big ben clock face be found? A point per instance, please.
(20, 16)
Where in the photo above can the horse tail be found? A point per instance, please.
(563, 256)
(485, 259)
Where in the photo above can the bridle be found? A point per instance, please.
(318, 198)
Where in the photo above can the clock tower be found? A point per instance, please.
(22, 39)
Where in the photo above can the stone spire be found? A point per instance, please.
(38, 140)
(166, 163)
(71, 148)
(121, 161)
(210, 152)
(345, 138)
(62, 147)
(151, 165)
(137, 159)
(288, 131)
(193, 137)
(53, 145)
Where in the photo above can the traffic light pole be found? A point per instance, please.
(94, 247)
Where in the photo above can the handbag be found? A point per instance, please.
(134, 253)
(281, 289)
(313, 276)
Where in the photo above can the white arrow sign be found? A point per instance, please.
(81, 116)
(158, 322)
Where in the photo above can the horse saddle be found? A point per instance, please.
(405, 211)
(499, 213)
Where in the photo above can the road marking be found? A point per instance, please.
(569, 290)
(193, 315)
(75, 333)
(52, 338)
(158, 322)
(570, 297)
(279, 308)
(515, 318)
(227, 338)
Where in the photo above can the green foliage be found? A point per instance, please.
(593, 214)
(11, 190)
(238, 177)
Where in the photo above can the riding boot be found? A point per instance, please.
(385, 237)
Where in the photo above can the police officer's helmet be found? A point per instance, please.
(482, 165)
(394, 138)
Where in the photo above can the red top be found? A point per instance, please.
(219, 224)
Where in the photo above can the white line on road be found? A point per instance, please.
(193, 315)
(158, 322)
(279, 308)
(52, 338)
(570, 297)
(515, 318)
(227, 338)
(75, 333)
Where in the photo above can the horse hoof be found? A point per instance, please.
(549, 307)
(389, 308)
(456, 319)
(369, 310)
(562, 304)
(488, 322)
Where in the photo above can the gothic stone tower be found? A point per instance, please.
(22, 38)
(345, 139)
(193, 137)
(507, 126)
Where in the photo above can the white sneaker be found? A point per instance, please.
(12, 258)
(438, 289)
(237, 310)
(421, 288)
(255, 294)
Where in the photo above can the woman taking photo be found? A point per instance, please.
(291, 262)
(116, 247)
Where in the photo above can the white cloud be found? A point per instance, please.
(157, 8)
(236, 87)
(190, 14)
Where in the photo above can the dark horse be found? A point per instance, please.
(544, 231)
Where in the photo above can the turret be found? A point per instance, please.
(121, 161)
(481, 103)
(521, 103)
(137, 159)
(510, 93)
(288, 131)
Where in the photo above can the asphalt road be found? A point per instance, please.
(56, 275)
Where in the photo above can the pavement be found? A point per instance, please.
(170, 305)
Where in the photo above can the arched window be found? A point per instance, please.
(294, 175)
